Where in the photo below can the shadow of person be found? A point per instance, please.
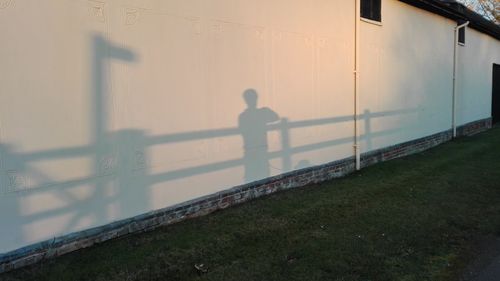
(253, 127)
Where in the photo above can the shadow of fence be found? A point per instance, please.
(141, 143)
(125, 164)
(121, 158)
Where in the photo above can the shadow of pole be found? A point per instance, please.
(285, 145)
(108, 156)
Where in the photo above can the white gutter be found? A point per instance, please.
(455, 58)
(357, 147)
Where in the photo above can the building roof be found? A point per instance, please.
(456, 11)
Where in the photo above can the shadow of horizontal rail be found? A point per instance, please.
(226, 132)
(283, 127)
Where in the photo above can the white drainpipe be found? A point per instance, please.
(455, 58)
(357, 147)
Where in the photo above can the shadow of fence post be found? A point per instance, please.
(367, 131)
(285, 145)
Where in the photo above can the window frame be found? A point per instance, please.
(371, 11)
(461, 36)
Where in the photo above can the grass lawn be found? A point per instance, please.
(415, 218)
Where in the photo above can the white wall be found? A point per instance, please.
(407, 66)
(110, 109)
(475, 74)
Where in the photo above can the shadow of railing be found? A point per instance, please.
(132, 167)
(283, 128)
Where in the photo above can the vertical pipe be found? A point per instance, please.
(357, 147)
(454, 98)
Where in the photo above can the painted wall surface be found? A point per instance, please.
(475, 74)
(407, 67)
(110, 109)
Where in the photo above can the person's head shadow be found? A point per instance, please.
(250, 96)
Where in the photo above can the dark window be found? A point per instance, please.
(461, 35)
(371, 9)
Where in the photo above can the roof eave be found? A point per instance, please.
(457, 12)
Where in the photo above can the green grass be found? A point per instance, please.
(414, 218)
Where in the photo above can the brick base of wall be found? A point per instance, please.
(237, 195)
